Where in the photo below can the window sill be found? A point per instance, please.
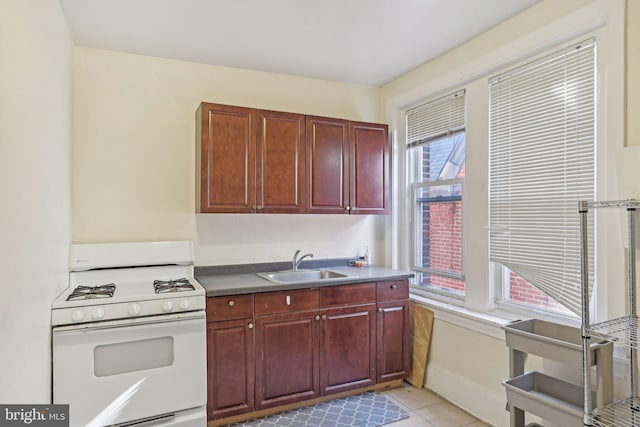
(486, 323)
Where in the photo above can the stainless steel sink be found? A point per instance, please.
(302, 276)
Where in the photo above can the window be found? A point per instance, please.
(541, 163)
(436, 154)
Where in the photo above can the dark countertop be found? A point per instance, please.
(219, 281)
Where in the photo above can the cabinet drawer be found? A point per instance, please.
(392, 290)
(286, 301)
(229, 307)
(333, 296)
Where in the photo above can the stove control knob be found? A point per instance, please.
(97, 313)
(77, 315)
(184, 304)
(167, 306)
(134, 309)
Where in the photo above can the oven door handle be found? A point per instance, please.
(162, 420)
(112, 324)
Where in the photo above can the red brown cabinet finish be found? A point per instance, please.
(287, 358)
(347, 167)
(393, 329)
(249, 160)
(327, 165)
(347, 348)
(271, 349)
(347, 337)
(286, 301)
(225, 153)
(230, 356)
(280, 162)
(230, 308)
(368, 168)
(258, 161)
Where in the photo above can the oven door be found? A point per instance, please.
(134, 369)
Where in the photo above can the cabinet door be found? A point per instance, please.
(230, 368)
(287, 358)
(280, 162)
(347, 348)
(393, 340)
(369, 168)
(327, 165)
(226, 153)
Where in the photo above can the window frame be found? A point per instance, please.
(601, 19)
(413, 184)
(415, 241)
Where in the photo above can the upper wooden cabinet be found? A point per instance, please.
(327, 165)
(347, 167)
(280, 162)
(368, 168)
(249, 160)
(225, 152)
(256, 161)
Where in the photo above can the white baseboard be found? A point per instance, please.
(481, 402)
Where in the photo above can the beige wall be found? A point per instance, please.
(633, 72)
(35, 219)
(518, 26)
(134, 161)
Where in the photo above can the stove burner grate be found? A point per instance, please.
(177, 285)
(91, 292)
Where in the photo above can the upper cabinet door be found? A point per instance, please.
(226, 155)
(257, 161)
(368, 168)
(327, 165)
(280, 162)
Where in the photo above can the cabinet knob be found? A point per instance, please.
(253, 207)
(348, 208)
(379, 309)
(287, 299)
(260, 207)
(232, 303)
(324, 317)
(394, 286)
(317, 317)
(250, 326)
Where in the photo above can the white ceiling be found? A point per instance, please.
(369, 42)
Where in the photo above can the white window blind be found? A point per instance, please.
(435, 119)
(542, 162)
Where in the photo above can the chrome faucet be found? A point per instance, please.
(296, 261)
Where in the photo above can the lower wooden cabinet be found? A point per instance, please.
(393, 329)
(230, 368)
(347, 348)
(230, 356)
(393, 340)
(297, 345)
(287, 358)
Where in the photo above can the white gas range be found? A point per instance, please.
(129, 336)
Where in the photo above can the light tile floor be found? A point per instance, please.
(427, 409)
